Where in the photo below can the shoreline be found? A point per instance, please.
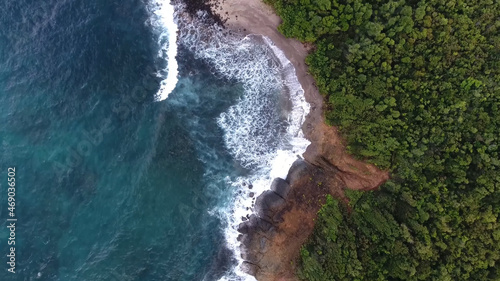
(285, 214)
(256, 17)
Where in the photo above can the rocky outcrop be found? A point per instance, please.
(209, 6)
(283, 219)
(284, 215)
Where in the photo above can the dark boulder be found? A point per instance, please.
(268, 204)
(280, 187)
(249, 268)
(243, 227)
(250, 254)
(299, 169)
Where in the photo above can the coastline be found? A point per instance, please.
(256, 17)
(271, 239)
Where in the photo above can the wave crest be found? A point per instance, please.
(163, 20)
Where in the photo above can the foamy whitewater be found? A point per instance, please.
(164, 22)
(262, 140)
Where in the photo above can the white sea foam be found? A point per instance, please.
(263, 129)
(163, 20)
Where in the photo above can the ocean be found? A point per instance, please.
(140, 137)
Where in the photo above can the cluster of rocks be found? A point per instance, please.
(209, 6)
(260, 228)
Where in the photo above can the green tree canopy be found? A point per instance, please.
(414, 88)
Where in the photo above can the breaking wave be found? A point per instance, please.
(164, 23)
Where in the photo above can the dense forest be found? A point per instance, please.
(414, 88)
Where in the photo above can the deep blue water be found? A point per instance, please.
(111, 185)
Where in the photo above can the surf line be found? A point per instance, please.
(166, 23)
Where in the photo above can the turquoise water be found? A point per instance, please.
(112, 184)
